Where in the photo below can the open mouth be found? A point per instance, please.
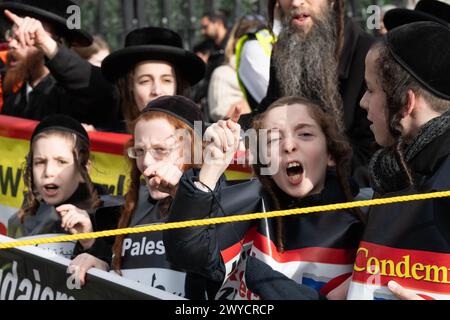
(12, 60)
(50, 189)
(294, 172)
(300, 18)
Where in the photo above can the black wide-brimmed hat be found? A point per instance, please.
(422, 49)
(54, 12)
(425, 10)
(153, 43)
(61, 122)
(179, 107)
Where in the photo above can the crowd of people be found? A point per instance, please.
(339, 115)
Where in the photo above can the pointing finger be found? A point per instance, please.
(236, 114)
(13, 17)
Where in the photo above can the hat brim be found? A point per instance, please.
(398, 17)
(76, 37)
(120, 62)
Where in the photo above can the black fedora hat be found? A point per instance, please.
(153, 43)
(422, 49)
(53, 12)
(425, 10)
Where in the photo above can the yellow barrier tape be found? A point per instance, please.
(228, 219)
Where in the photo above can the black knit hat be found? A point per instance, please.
(54, 12)
(61, 122)
(423, 50)
(425, 10)
(178, 106)
(153, 43)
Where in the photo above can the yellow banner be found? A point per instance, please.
(109, 166)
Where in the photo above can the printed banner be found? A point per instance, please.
(31, 273)
(423, 272)
(109, 167)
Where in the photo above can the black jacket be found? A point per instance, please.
(74, 87)
(415, 232)
(144, 254)
(208, 250)
(46, 220)
(352, 87)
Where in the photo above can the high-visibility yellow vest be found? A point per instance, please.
(265, 38)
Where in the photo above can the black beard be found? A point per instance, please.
(306, 65)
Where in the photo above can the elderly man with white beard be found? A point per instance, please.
(320, 55)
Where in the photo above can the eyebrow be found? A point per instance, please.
(153, 76)
(157, 144)
(304, 125)
(61, 158)
(43, 157)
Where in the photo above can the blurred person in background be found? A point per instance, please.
(213, 26)
(96, 52)
(224, 92)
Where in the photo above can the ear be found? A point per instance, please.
(411, 105)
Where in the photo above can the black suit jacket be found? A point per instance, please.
(74, 87)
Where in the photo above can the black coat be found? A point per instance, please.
(212, 251)
(144, 254)
(417, 232)
(352, 87)
(74, 87)
(47, 221)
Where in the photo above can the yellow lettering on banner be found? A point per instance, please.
(401, 269)
(373, 268)
(436, 270)
(384, 265)
(417, 267)
(356, 267)
(406, 265)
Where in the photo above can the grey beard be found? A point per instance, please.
(305, 64)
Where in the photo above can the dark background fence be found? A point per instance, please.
(113, 19)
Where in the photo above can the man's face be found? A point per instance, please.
(17, 53)
(302, 13)
(208, 28)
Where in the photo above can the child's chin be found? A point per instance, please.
(51, 201)
(296, 192)
(158, 195)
